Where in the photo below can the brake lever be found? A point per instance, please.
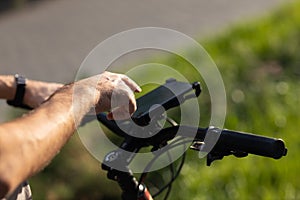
(197, 87)
(213, 156)
(216, 155)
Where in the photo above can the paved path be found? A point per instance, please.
(49, 40)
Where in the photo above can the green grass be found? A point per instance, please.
(259, 62)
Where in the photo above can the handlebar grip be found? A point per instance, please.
(250, 143)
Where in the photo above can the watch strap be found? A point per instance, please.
(20, 92)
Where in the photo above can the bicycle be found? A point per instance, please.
(172, 94)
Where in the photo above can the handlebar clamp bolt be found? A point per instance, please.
(197, 145)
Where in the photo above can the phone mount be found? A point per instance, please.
(169, 95)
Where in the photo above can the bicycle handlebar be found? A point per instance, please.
(216, 142)
(225, 142)
(240, 144)
(250, 143)
(228, 143)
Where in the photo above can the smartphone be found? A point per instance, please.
(169, 95)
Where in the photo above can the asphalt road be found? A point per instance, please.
(49, 40)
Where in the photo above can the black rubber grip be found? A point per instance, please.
(250, 143)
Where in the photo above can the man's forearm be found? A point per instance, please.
(29, 143)
(7, 87)
(33, 140)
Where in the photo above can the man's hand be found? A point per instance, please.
(116, 95)
(113, 93)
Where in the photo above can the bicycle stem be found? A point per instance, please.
(130, 187)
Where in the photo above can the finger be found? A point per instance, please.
(123, 111)
(123, 97)
(131, 103)
(119, 113)
(132, 85)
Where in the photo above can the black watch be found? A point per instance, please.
(20, 92)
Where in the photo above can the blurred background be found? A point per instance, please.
(255, 45)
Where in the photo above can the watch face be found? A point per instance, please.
(20, 79)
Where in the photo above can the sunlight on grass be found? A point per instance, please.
(259, 63)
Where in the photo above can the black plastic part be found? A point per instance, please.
(127, 183)
(212, 157)
(169, 95)
(232, 141)
(117, 159)
(241, 144)
(197, 87)
(20, 92)
(111, 124)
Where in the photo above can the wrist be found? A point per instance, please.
(78, 97)
(7, 87)
(20, 88)
(85, 95)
